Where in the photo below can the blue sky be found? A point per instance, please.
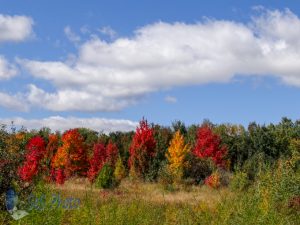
(106, 64)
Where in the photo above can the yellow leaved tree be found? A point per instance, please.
(176, 156)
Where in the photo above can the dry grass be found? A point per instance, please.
(150, 192)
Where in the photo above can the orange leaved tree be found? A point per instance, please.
(70, 158)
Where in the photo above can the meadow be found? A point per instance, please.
(202, 174)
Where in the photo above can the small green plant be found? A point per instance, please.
(105, 178)
(120, 171)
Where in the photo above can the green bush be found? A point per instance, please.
(165, 178)
(105, 179)
(239, 181)
(257, 164)
(120, 171)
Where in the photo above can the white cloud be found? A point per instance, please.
(109, 76)
(72, 99)
(13, 102)
(170, 99)
(71, 35)
(107, 30)
(15, 28)
(7, 70)
(65, 123)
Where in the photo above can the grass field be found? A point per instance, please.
(130, 203)
(149, 203)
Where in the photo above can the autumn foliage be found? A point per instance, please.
(112, 153)
(97, 161)
(35, 152)
(71, 158)
(51, 148)
(176, 155)
(213, 180)
(208, 145)
(142, 149)
(102, 155)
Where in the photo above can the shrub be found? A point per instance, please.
(218, 178)
(239, 181)
(105, 179)
(120, 171)
(213, 180)
(256, 164)
(198, 168)
(165, 177)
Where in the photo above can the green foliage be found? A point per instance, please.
(239, 181)
(105, 178)
(162, 136)
(265, 202)
(120, 171)
(256, 164)
(165, 178)
(178, 125)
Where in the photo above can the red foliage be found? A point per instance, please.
(213, 180)
(209, 146)
(35, 152)
(112, 153)
(52, 145)
(101, 156)
(73, 141)
(60, 176)
(51, 149)
(142, 148)
(97, 161)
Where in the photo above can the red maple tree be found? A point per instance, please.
(101, 156)
(97, 161)
(112, 153)
(35, 152)
(208, 145)
(142, 148)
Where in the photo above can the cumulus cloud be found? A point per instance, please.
(12, 102)
(64, 123)
(15, 28)
(170, 99)
(7, 70)
(112, 75)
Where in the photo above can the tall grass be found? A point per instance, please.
(267, 201)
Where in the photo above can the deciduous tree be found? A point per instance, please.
(209, 146)
(142, 149)
(176, 155)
